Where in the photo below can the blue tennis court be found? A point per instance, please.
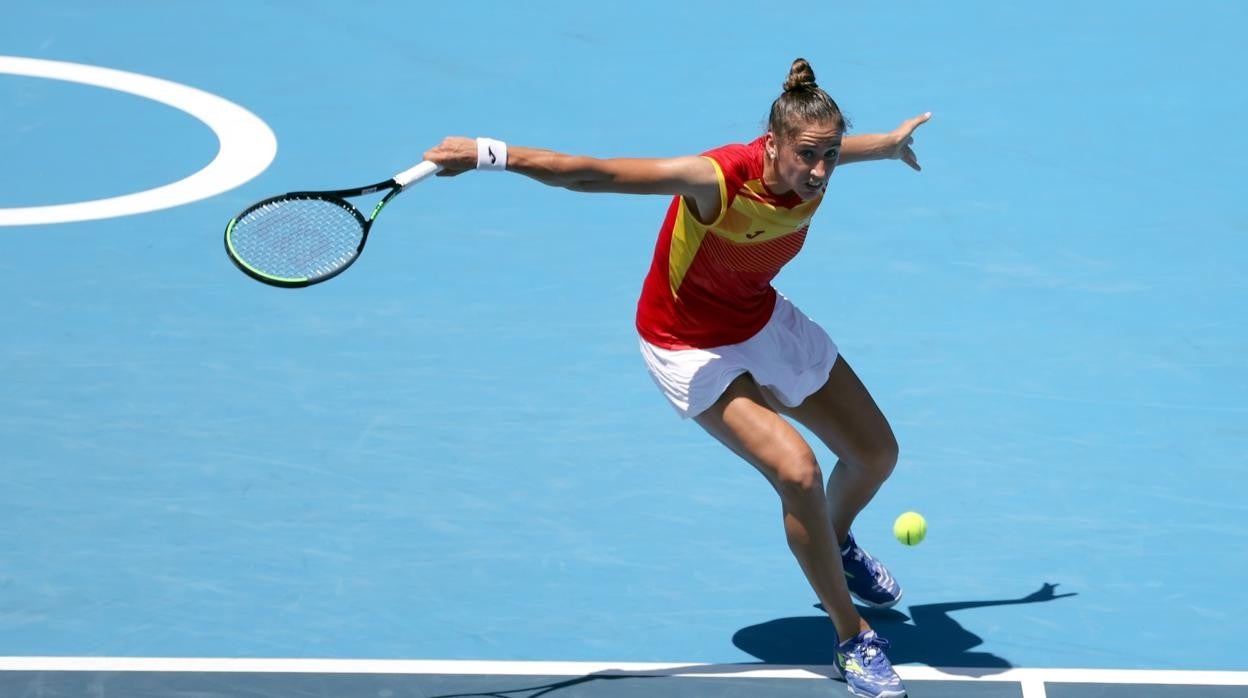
(447, 473)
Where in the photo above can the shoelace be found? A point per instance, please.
(873, 651)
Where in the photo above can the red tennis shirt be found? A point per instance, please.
(710, 285)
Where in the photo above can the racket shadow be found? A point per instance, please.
(672, 681)
(929, 635)
(541, 689)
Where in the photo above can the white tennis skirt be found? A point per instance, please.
(791, 357)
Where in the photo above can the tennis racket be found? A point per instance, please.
(306, 237)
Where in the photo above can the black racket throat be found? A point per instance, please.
(346, 193)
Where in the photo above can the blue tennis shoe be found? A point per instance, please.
(866, 670)
(867, 578)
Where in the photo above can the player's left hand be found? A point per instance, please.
(1045, 593)
(903, 140)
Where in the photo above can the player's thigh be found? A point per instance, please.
(844, 416)
(742, 420)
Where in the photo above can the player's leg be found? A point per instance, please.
(742, 420)
(844, 416)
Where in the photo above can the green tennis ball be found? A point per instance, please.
(910, 528)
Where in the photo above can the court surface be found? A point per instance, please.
(446, 472)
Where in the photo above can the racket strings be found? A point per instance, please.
(297, 238)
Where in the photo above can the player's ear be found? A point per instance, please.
(769, 145)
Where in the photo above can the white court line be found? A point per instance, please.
(1033, 688)
(247, 144)
(1032, 679)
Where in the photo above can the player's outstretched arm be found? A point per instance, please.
(894, 145)
(691, 176)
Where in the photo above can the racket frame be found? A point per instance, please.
(338, 197)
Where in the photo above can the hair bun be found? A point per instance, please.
(801, 77)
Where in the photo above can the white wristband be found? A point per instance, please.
(491, 154)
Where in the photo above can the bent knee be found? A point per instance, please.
(880, 458)
(799, 475)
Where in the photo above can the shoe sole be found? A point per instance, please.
(872, 604)
(887, 694)
(849, 687)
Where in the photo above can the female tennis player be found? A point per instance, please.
(739, 358)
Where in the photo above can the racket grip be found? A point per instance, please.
(408, 177)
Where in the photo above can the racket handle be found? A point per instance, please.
(408, 177)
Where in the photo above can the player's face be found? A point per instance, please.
(803, 162)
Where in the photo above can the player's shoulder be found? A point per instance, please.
(739, 161)
(737, 151)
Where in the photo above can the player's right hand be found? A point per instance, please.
(455, 154)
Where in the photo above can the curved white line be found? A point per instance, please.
(246, 144)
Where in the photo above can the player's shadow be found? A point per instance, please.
(929, 635)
